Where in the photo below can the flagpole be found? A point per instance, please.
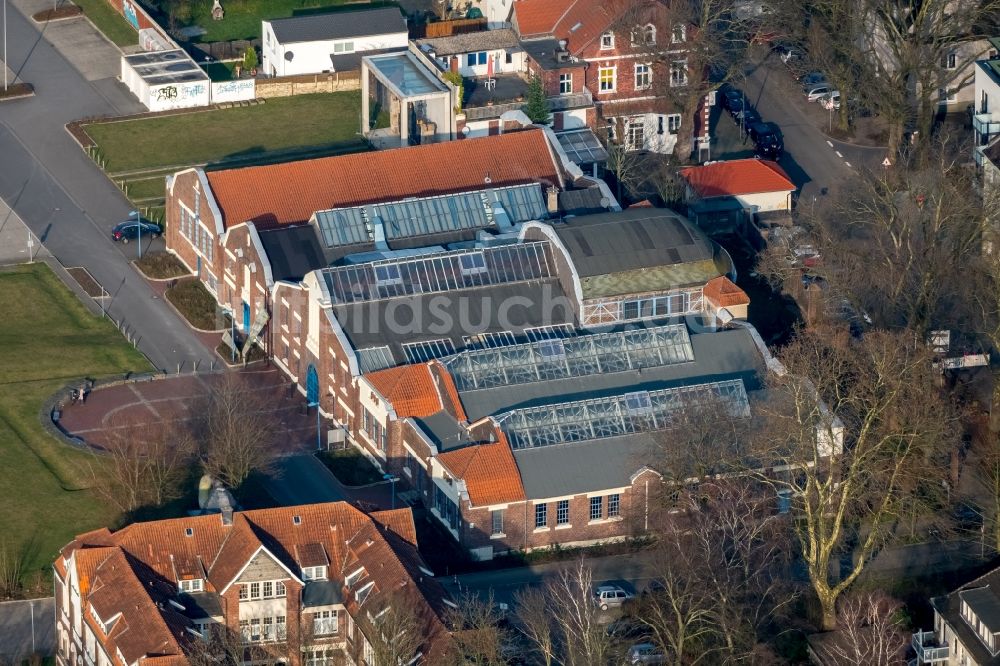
(5, 45)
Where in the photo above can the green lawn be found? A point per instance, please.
(323, 121)
(146, 188)
(47, 338)
(243, 17)
(111, 23)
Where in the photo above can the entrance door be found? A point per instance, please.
(246, 318)
(312, 385)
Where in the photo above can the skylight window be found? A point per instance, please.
(388, 274)
(473, 263)
(638, 402)
(552, 349)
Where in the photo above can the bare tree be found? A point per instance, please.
(870, 632)
(236, 430)
(478, 637)
(537, 623)
(859, 431)
(583, 638)
(396, 626)
(13, 560)
(223, 645)
(144, 463)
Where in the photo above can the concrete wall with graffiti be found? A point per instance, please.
(178, 96)
(233, 91)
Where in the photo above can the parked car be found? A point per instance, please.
(646, 653)
(812, 79)
(606, 596)
(816, 91)
(767, 139)
(788, 52)
(130, 229)
(732, 99)
(831, 100)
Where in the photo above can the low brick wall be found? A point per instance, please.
(286, 86)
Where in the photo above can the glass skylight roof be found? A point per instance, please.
(636, 412)
(403, 72)
(430, 215)
(571, 357)
(439, 272)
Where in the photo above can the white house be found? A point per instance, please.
(469, 53)
(986, 105)
(759, 185)
(333, 42)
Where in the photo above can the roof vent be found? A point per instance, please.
(562, 55)
(296, 520)
(189, 531)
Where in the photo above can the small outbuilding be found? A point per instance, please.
(333, 42)
(164, 80)
(761, 186)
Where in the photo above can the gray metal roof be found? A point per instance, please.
(718, 356)
(293, 251)
(949, 607)
(583, 202)
(338, 25)
(543, 51)
(453, 315)
(321, 593)
(632, 239)
(444, 431)
(570, 469)
(201, 605)
(470, 42)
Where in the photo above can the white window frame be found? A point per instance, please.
(607, 41)
(192, 585)
(314, 573)
(644, 70)
(646, 34)
(566, 83)
(682, 29)
(675, 81)
(325, 623)
(600, 78)
(559, 506)
(674, 123)
(635, 133)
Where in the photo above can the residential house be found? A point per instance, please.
(760, 186)
(986, 104)
(585, 47)
(473, 54)
(300, 585)
(966, 626)
(331, 42)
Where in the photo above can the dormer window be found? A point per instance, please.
(678, 34)
(644, 35)
(608, 40)
(192, 585)
(976, 610)
(314, 573)
(354, 576)
(363, 593)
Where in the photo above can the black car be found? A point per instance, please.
(130, 229)
(747, 117)
(732, 99)
(768, 140)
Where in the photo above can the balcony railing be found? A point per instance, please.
(986, 124)
(558, 103)
(928, 648)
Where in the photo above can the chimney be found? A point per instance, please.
(227, 515)
(454, 63)
(553, 199)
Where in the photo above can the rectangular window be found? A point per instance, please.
(562, 512)
(606, 79)
(255, 590)
(474, 59)
(325, 623)
(636, 134)
(497, 519)
(541, 515)
(596, 508)
(614, 505)
(268, 589)
(193, 585)
(565, 84)
(643, 76)
(674, 123)
(254, 629)
(678, 73)
(679, 33)
(314, 573)
(279, 589)
(267, 629)
(243, 593)
(608, 40)
(343, 47)
(948, 95)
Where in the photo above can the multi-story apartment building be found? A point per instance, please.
(306, 585)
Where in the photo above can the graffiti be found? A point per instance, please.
(231, 91)
(166, 93)
(130, 13)
(196, 90)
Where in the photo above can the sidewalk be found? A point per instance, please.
(27, 623)
(15, 238)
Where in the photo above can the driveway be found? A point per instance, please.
(66, 200)
(27, 627)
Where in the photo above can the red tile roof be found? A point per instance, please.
(723, 293)
(489, 471)
(736, 177)
(409, 389)
(579, 22)
(291, 192)
(450, 390)
(539, 17)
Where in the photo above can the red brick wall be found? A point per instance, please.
(187, 191)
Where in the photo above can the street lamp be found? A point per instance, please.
(319, 439)
(392, 480)
(138, 225)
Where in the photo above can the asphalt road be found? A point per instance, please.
(24, 624)
(811, 159)
(65, 199)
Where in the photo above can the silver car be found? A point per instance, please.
(606, 596)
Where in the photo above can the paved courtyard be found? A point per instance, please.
(173, 401)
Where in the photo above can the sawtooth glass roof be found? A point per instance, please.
(601, 418)
(430, 215)
(573, 357)
(444, 271)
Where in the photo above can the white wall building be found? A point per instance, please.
(164, 80)
(332, 42)
(986, 104)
